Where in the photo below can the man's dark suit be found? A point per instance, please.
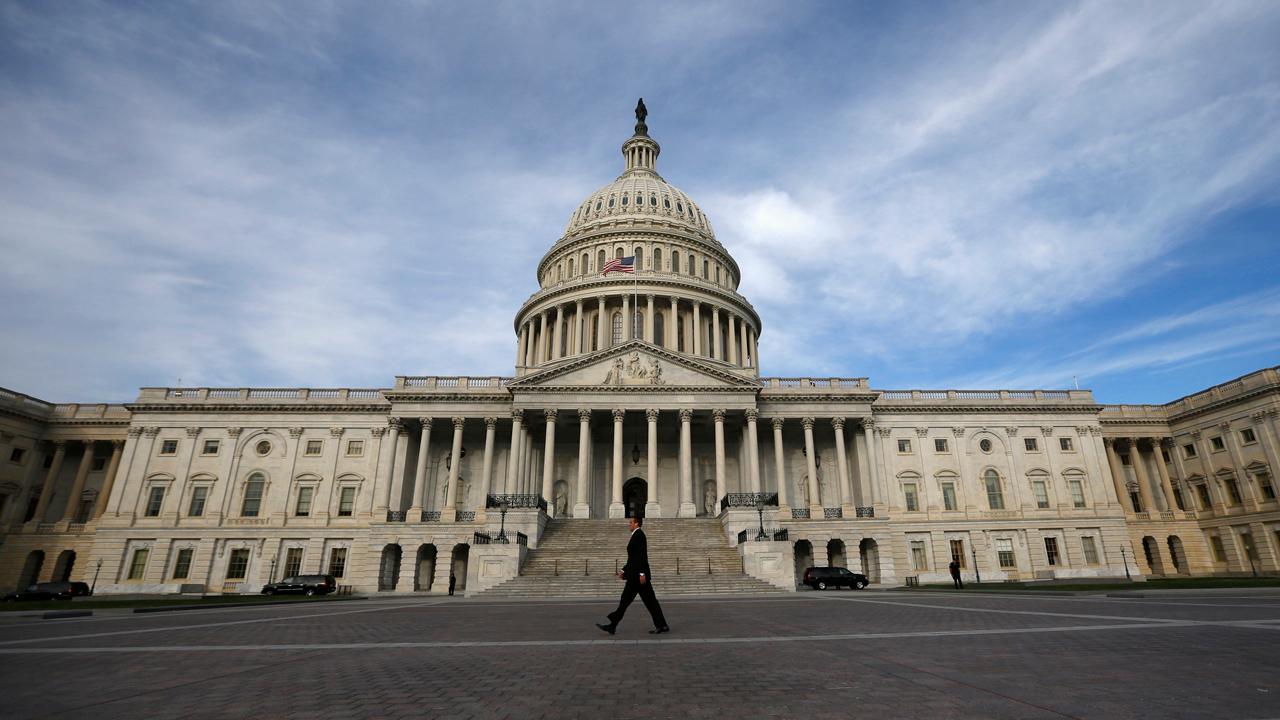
(638, 564)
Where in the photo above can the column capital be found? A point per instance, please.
(1109, 443)
(550, 414)
(234, 431)
(1011, 431)
(651, 415)
(686, 415)
(395, 423)
(778, 422)
(619, 414)
(378, 431)
(517, 415)
(1166, 443)
(922, 431)
(489, 422)
(336, 431)
(191, 432)
(117, 444)
(1258, 417)
(294, 432)
(868, 424)
(584, 415)
(459, 422)
(884, 431)
(600, 299)
(151, 431)
(649, 297)
(135, 432)
(579, 302)
(807, 422)
(1082, 430)
(718, 414)
(1225, 427)
(752, 415)
(1195, 434)
(958, 431)
(1047, 430)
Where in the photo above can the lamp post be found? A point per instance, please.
(976, 572)
(502, 529)
(1125, 557)
(271, 575)
(760, 510)
(96, 569)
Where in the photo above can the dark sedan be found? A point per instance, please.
(49, 591)
(302, 585)
(820, 578)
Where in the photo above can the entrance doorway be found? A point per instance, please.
(635, 493)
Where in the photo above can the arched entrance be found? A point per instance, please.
(635, 493)
(804, 558)
(31, 569)
(461, 552)
(389, 569)
(63, 566)
(835, 554)
(426, 571)
(1151, 550)
(870, 559)
(1177, 556)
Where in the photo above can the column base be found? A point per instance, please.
(616, 510)
(582, 511)
(449, 514)
(653, 510)
(816, 513)
(413, 514)
(687, 510)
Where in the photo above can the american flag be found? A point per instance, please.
(626, 264)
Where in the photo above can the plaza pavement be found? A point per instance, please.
(836, 654)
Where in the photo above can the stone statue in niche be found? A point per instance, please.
(802, 491)
(709, 497)
(633, 371)
(561, 495)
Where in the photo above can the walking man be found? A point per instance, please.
(639, 581)
(452, 581)
(955, 574)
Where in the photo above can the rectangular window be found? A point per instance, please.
(315, 447)
(1219, 552)
(182, 566)
(355, 448)
(82, 513)
(957, 552)
(940, 445)
(919, 560)
(1247, 437)
(252, 499)
(1077, 493)
(155, 499)
(1042, 494)
(1217, 444)
(995, 494)
(99, 464)
(909, 490)
(1177, 499)
(1233, 490)
(138, 565)
(904, 446)
(1264, 485)
(1066, 445)
(948, 496)
(238, 564)
(168, 447)
(347, 502)
(16, 455)
(1051, 550)
(1206, 502)
(210, 447)
(293, 562)
(304, 501)
(1004, 551)
(199, 494)
(1031, 444)
(338, 562)
(1090, 549)
(1189, 450)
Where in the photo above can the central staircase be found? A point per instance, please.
(578, 558)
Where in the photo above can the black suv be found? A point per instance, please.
(49, 591)
(821, 578)
(303, 585)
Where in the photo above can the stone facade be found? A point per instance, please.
(633, 392)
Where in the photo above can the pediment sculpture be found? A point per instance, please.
(634, 371)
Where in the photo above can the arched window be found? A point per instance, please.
(659, 329)
(706, 272)
(688, 265)
(617, 328)
(617, 253)
(639, 258)
(610, 201)
(995, 494)
(624, 199)
(586, 260)
(559, 272)
(253, 496)
(675, 262)
(600, 265)
(717, 273)
(571, 267)
(657, 259)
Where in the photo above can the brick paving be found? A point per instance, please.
(898, 654)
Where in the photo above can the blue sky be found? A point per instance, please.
(934, 195)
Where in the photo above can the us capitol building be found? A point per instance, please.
(633, 393)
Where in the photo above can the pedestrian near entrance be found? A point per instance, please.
(955, 574)
(452, 581)
(639, 582)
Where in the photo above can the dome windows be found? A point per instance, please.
(666, 202)
(624, 199)
(598, 206)
(610, 201)
(653, 200)
(679, 207)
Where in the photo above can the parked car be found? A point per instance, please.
(49, 591)
(821, 578)
(302, 585)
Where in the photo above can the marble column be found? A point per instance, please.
(521, 339)
(557, 334)
(873, 469)
(50, 480)
(743, 331)
(113, 467)
(82, 473)
(1166, 484)
(615, 506)
(1117, 475)
(697, 328)
(549, 458)
(450, 512)
(718, 415)
(648, 320)
(420, 472)
(717, 351)
(1144, 482)
(540, 355)
(673, 325)
(652, 508)
(784, 499)
(687, 508)
(627, 318)
(582, 508)
(755, 352)
(753, 450)
(732, 350)
(513, 459)
(816, 502)
(579, 344)
(486, 472)
(602, 340)
(842, 465)
(386, 474)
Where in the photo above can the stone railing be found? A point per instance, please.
(985, 396)
(812, 384)
(450, 383)
(262, 395)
